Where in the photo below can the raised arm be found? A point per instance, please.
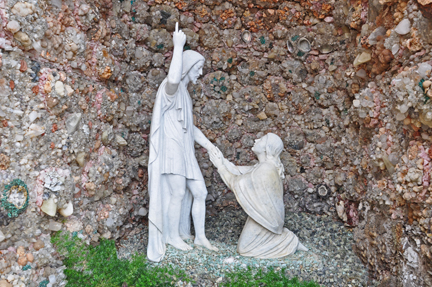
(175, 70)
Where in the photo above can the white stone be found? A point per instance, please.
(72, 122)
(81, 158)
(361, 74)
(395, 49)
(403, 108)
(356, 103)
(362, 58)
(67, 211)
(340, 209)
(403, 27)
(2, 236)
(13, 26)
(52, 279)
(121, 141)
(54, 226)
(424, 70)
(34, 131)
(377, 32)
(69, 90)
(229, 260)
(142, 211)
(109, 222)
(33, 116)
(23, 9)
(59, 88)
(19, 137)
(259, 190)
(411, 256)
(83, 9)
(49, 207)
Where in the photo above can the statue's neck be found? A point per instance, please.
(186, 80)
(262, 157)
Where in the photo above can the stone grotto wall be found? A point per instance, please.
(344, 83)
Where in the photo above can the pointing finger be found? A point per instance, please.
(176, 29)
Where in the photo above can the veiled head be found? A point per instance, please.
(271, 145)
(192, 65)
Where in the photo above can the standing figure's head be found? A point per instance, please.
(272, 146)
(193, 63)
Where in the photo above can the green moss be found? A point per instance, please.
(272, 277)
(97, 266)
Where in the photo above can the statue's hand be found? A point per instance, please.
(179, 38)
(216, 156)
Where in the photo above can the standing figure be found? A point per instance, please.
(259, 190)
(174, 174)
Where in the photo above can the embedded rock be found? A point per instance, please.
(72, 122)
(403, 27)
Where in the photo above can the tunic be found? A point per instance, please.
(171, 152)
(178, 153)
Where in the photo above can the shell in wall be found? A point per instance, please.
(290, 47)
(304, 45)
(246, 36)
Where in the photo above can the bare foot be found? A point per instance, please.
(179, 244)
(187, 236)
(205, 243)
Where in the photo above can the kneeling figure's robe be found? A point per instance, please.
(259, 190)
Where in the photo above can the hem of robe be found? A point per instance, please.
(256, 241)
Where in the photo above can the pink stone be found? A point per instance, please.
(329, 19)
(323, 57)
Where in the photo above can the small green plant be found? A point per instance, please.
(98, 266)
(271, 278)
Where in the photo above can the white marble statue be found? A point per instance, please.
(259, 191)
(174, 174)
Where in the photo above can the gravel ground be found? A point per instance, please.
(330, 260)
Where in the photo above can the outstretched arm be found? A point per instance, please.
(217, 159)
(201, 139)
(175, 70)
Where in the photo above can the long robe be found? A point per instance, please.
(171, 152)
(259, 191)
